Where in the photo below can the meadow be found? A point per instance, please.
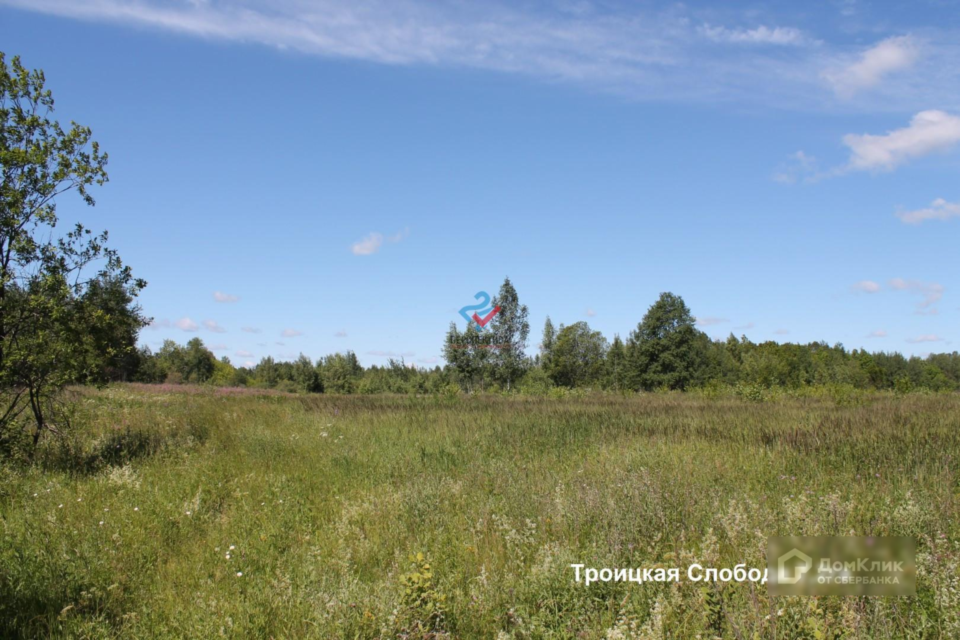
(186, 512)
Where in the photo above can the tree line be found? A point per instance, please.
(68, 315)
(665, 351)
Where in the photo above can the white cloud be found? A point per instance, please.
(759, 35)
(931, 292)
(186, 324)
(391, 354)
(707, 321)
(399, 235)
(879, 333)
(928, 132)
(430, 360)
(244, 354)
(642, 50)
(291, 333)
(159, 324)
(369, 245)
(213, 326)
(250, 329)
(800, 166)
(939, 209)
(591, 313)
(340, 334)
(873, 65)
(749, 325)
(220, 296)
(782, 332)
(372, 243)
(928, 337)
(218, 347)
(866, 286)
(280, 344)
(249, 364)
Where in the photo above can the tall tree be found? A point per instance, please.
(48, 332)
(577, 357)
(510, 329)
(617, 365)
(666, 350)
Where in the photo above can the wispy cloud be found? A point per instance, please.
(159, 324)
(928, 132)
(782, 332)
(391, 354)
(372, 243)
(211, 325)
(218, 347)
(244, 354)
(799, 167)
(708, 321)
(368, 245)
(866, 286)
(879, 333)
(939, 209)
(930, 293)
(782, 36)
(873, 65)
(430, 360)
(742, 327)
(186, 324)
(927, 337)
(220, 296)
(250, 329)
(591, 313)
(291, 333)
(340, 334)
(642, 50)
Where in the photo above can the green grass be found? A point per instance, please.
(320, 501)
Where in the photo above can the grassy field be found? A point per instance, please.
(178, 512)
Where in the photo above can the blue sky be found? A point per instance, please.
(346, 175)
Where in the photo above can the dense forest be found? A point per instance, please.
(664, 352)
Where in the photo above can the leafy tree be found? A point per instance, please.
(198, 362)
(546, 343)
(340, 372)
(666, 350)
(510, 329)
(306, 377)
(468, 353)
(577, 357)
(616, 365)
(52, 331)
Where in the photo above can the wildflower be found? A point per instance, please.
(79, 499)
(105, 510)
(239, 574)
(227, 556)
(188, 513)
(34, 495)
(136, 508)
(60, 507)
(101, 523)
(323, 434)
(232, 547)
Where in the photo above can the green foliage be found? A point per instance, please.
(577, 357)
(509, 330)
(423, 604)
(58, 322)
(666, 350)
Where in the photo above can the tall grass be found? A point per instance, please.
(177, 513)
